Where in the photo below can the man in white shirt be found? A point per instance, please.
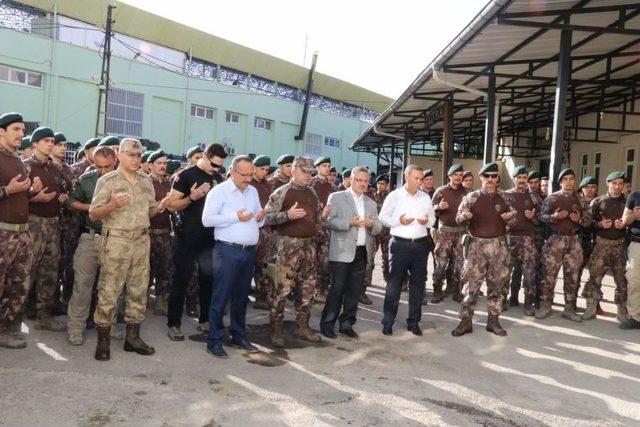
(409, 214)
(353, 221)
(234, 209)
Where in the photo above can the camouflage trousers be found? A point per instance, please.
(486, 259)
(265, 255)
(160, 261)
(124, 261)
(322, 256)
(295, 271)
(46, 256)
(69, 237)
(448, 254)
(538, 241)
(380, 241)
(566, 252)
(524, 256)
(16, 257)
(607, 254)
(586, 241)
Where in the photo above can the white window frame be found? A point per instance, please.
(231, 117)
(201, 112)
(584, 166)
(597, 165)
(12, 71)
(332, 142)
(263, 124)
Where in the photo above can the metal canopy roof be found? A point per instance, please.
(518, 41)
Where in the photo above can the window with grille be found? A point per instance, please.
(260, 123)
(202, 112)
(631, 158)
(124, 115)
(21, 77)
(232, 117)
(585, 163)
(596, 168)
(331, 142)
(312, 145)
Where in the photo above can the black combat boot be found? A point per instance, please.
(104, 342)
(133, 342)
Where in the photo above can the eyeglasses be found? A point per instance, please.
(490, 175)
(215, 165)
(244, 175)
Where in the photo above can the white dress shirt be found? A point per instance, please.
(399, 202)
(359, 201)
(221, 211)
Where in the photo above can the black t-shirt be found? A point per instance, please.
(633, 201)
(191, 217)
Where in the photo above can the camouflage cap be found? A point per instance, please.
(131, 146)
(305, 164)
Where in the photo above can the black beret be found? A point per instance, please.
(272, 169)
(533, 175)
(322, 159)
(109, 141)
(261, 161)
(565, 172)
(519, 170)
(59, 137)
(193, 151)
(455, 168)
(173, 166)
(382, 178)
(10, 118)
(333, 169)
(155, 156)
(467, 174)
(427, 172)
(26, 143)
(40, 133)
(91, 142)
(144, 158)
(284, 159)
(489, 167)
(616, 175)
(346, 173)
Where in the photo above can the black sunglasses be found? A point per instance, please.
(215, 165)
(490, 175)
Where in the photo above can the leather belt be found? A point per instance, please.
(447, 229)
(237, 245)
(43, 220)
(610, 242)
(127, 234)
(416, 240)
(18, 228)
(157, 231)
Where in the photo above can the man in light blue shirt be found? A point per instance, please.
(234, 209)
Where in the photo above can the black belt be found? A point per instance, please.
(416, 240)
(237, 245)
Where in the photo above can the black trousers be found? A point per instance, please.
(411, 257)
(347, 282)
(187, 250)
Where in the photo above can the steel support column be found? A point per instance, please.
(447, 139)
(564, 74)
(406, 153)
(392, 160)
(489, 127)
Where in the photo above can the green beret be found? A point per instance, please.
(272, 169)
(587, 180)
(59, 137)
(467, 174)
(262, 161)
(10, 118)
(144, 158)
(193, 151)
(91, 142)
(565, 172)
(40, 133)
(544, 178)
(615, 175)
(346, 173)
(533, 175)
(519, 170)
(26, 143)
(381, 178)
(427, 172)
(109, 141)
(155, 156)
(173, 166)
(322, 159)
(284, 159)
(333, 169)
(455, 168)
(489, 167)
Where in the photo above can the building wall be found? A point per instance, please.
(68, 98)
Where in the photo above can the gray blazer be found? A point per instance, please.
(344, 238)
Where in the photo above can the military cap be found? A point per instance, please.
(262, 161)
(427, 172)
(333, 169)
(533, 175)
(284, 159)
(303, 163)
(173, 166)
(467, 174)
(193, 151)
(519, 170)
(587, 180)
(80, 155)
(616, 175)
(145, 156)
(91, 142)
(109, 141)
(40, 133)
(130, 145)
(382, 178)
(322, 159)
(544, 178)
(489, 167)
(59, 137)
(346, 173)
(10, 118)
(272, 169)
(565, 172)
(26, 143)
(455, 168)
(155, 156)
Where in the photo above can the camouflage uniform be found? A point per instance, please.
(78, 168)
(69, 235)
(161, 249)
(379, 241)
(322, 188)
(587, 240)
(265, 251)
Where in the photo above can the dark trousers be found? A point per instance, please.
(232, 272)
(405, 257)
(188, 250)
(347, 283)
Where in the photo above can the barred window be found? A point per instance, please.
(202, 112)
(312, 145)
(125, 113)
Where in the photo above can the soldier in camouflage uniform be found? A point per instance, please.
(609, 250)
(321, 185)
(26, 149)
(283, 174)
(565, 214)
(294, 209)
(587, 191)
(539, 235)
(521, 239)
(486, 213)
(124, 200)
(448, 249)
(16, 255)
(267, 240)
(81, 166)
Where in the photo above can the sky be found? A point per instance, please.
(379, 45)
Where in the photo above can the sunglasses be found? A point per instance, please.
(215, 165)
(490, 175)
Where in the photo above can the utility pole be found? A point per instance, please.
(103, 87)
(307, 101)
